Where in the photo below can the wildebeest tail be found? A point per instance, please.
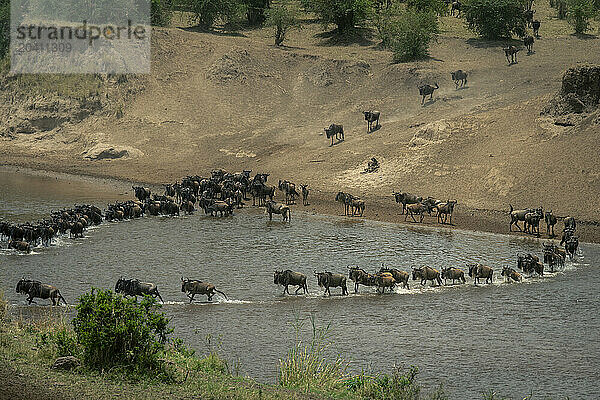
(511, 208)
(218, 291)
(60, 297)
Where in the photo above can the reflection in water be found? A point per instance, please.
(514, 338)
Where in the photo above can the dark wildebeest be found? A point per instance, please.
(406, 198)
(133, 287)
(40, 290)
(336, 131)
(329, 280)
(370, 117)
(305, 193)
(511, 54)
(459, 77)
(416, 209)
(399, 276)
(356, 205)
(221, 207)
(550, 222)
(427, 274)
(571, 245)
(289, 190)
(530, 264)
(360, 276)
(529, 16)
(141, 193)
(536, 28)
(288, 277)
(510, 273)
(516, 216)
(345, 199)
(532, 221)
(477, 271)
(454, 274)
(554, 256)
(384, 280)
(19, 245)
(427, 90)
(528, 42)
(192, 287)
(277, 208)
(570, 223)
(445, 209)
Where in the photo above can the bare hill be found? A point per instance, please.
(238, 102)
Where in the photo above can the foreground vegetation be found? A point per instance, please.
(167, 368)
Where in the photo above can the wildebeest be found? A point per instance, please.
(416, 209)
(550, 220)
(220, 207)
(553, 256)
(570, 223)
(329, 280)
(445, 209)
(477, 271)
(406, 198)
(19, 245)
(530, 264)
(571, 245)
(536, 28)
(336, 131)
(360, 276)
(510, 273)
(370, 117)
(192, 287)
(288, 277)
(141, 193)
(529, 16)
(427, 274)
(277, 208)
(459, 77)
(133, 287)
(384, 280)
(528, 42)
(305, 193)
(532, 221)
(454, 274)
(516, 216)
(399, 276)
(40, 290)
(511, 54)
(427, 90)
(456, 6)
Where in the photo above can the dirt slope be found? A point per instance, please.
(237, 102)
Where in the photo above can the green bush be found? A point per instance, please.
(4, 27)
(345, 14)
(437, 6)
(115, 331)
(3, 307)
(255, 11)
(495, 19)
(579, 13)
(410, 35)
(207, 12)
(160, 12)
(282, 18)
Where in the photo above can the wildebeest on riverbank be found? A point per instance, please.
(37, 289)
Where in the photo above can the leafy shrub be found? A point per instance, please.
(3, 307)
(255, 11)
(207, 12)
(283, 19)
(411, 33)
(65, 341)
(160, 12)
(579, 13)
(495, 19)
(114, 331)
(437, 6)
(4, 27)
(345, 14)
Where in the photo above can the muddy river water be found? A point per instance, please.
(541, 336)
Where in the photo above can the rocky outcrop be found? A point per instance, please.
(580, 92)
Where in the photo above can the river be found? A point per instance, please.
(541, 336)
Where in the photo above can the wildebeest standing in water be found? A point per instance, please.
(477, 271)
(192, 287)
(289, 277)
(454, 274)
(40, 290)
(360, 277)
(141, 193)
(427, 274)
(399, 276)
(427, 90)
(370, 117)
(336, 131)
(510, 273)
(329, 280)
(133, 287)
(19, 245)
(277, 208)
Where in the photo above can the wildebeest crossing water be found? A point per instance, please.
(513, 338)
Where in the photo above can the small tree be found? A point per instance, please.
(255, 11)
(207, 12)
(412, 33)
(345, 14)
(160, 12)
(114, 331)
(579, 13)
(437, 6)
(495, 19)
(283, 19)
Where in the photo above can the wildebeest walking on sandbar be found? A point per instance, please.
(40, 290)
(336, 131)
(192, 287)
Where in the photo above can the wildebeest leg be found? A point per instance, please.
(356, 287)
(299, 287)
(191, 297)
(412, 215)
(159, 296)
(30, 299)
